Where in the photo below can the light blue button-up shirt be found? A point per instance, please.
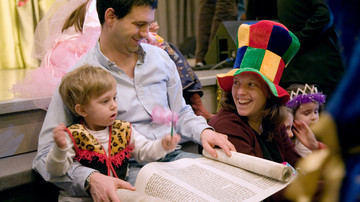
(156, 82)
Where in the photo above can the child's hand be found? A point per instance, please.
(169, 143)
(154, 27)
(59, 136)
(305, 135)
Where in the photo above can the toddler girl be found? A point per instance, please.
(305, 103)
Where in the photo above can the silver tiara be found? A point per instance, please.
(301, 91)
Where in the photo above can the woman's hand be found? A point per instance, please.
(210, 139)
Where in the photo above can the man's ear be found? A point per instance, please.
(110, 16)
(80, 110)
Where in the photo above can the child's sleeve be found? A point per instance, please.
(59, 160)
(146, 150)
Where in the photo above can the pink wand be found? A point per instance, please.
(161, 115)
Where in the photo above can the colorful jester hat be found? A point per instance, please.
(264, 48)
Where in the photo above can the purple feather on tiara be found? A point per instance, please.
(306, 98)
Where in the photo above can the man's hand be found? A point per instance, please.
(103, 188)
(210, 139)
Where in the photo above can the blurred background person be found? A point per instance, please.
(318, 61)
(212, 13)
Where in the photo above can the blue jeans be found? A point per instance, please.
(134, 167)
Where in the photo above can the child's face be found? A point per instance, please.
(288, 124)
(101, 111)
(308, 112)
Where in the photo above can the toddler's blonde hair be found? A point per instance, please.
(84, 83)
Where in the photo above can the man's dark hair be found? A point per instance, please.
(121, 7)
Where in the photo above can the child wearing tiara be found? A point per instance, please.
(303, 108)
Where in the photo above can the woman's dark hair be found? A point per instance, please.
(121, 7)
(273, 116)
(227, 101)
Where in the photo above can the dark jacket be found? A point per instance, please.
(244, 138)
(319, 60)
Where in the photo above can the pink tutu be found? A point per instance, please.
(42, 82)
(65, 50)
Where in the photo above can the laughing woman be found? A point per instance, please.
(251, 115)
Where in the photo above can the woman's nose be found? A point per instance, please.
(240, 90)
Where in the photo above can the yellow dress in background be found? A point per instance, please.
(18, 24)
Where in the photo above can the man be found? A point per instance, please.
(146, 77)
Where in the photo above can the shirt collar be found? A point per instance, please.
(141, 54)
(104, 61)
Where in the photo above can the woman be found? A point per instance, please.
(251, 113)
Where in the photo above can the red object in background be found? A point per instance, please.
(22, 2)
